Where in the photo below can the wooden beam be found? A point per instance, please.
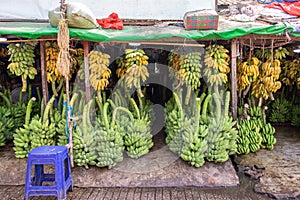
(86, 71)
(234, 97)
(43, 72)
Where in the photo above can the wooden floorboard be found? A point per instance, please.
(158, 193)
(123, 193)
(137, 193)
(166, 194)
(130, 194)
(94, 194)
(188, 193)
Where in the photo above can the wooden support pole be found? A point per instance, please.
(234, 97)
(86, 71)
(43, 72)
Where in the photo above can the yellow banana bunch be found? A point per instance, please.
(191, 67)
(268, 81)
(99, 71)
(134, 66)
(247, 72)
(22, 61)
(174, 62)
(291, 72)
(216, 60)
(52, 51)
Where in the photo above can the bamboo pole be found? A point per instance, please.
(86, 71)
(234, 97)
(43, 73)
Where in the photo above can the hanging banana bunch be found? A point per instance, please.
(135, 63)
(216, 60)
(53, 74)
(22, 61)
(3, 53)
(291, 72)
(268, 82)
(247, 73)
(99, 71)
(174, 62)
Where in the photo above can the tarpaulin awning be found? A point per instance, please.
(227, 30)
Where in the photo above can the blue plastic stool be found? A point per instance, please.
(62, 177)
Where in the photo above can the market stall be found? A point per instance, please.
(110, 77)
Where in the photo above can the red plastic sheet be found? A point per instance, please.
(292, 8)
(111, 22)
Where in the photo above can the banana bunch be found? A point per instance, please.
(281, 53)
(82, 156)
(99, 71)
(249, 136)
(22, 60)
(135, 62)
(104, 141)
(22, 142)
(194, 144)
(2, 136)
(280, 112)
(295, 118)
(22, 135)
(138, 138)
(175, 121)
(291, 71)
(247, 72)
(42, 130)
(216, 60)
(267, 134)
(190, 69)
(42, 134)
(174, 62)
(267, 83)
(3, 53)
(122, 68)
(107, 146)
(52, 50)
(221, 137)
(263, 54)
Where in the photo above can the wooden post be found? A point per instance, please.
(86, 71)
(234, 97)
(44, 73)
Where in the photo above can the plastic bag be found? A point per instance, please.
(111, 22)
(77, 14)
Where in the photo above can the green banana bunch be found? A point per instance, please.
(295, 121)
(281, 53)
(194, 145)
(22, 143)
(81, 153)
(2, 137)
(249, 137)
(280, 111)
(104, 141)
(22, 60)
(267, 134)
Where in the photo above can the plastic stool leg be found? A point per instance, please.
(38, 174)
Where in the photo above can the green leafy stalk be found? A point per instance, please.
(119, 108)
(28, 110)
(135, 108)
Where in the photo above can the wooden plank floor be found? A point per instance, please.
(189, 193)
